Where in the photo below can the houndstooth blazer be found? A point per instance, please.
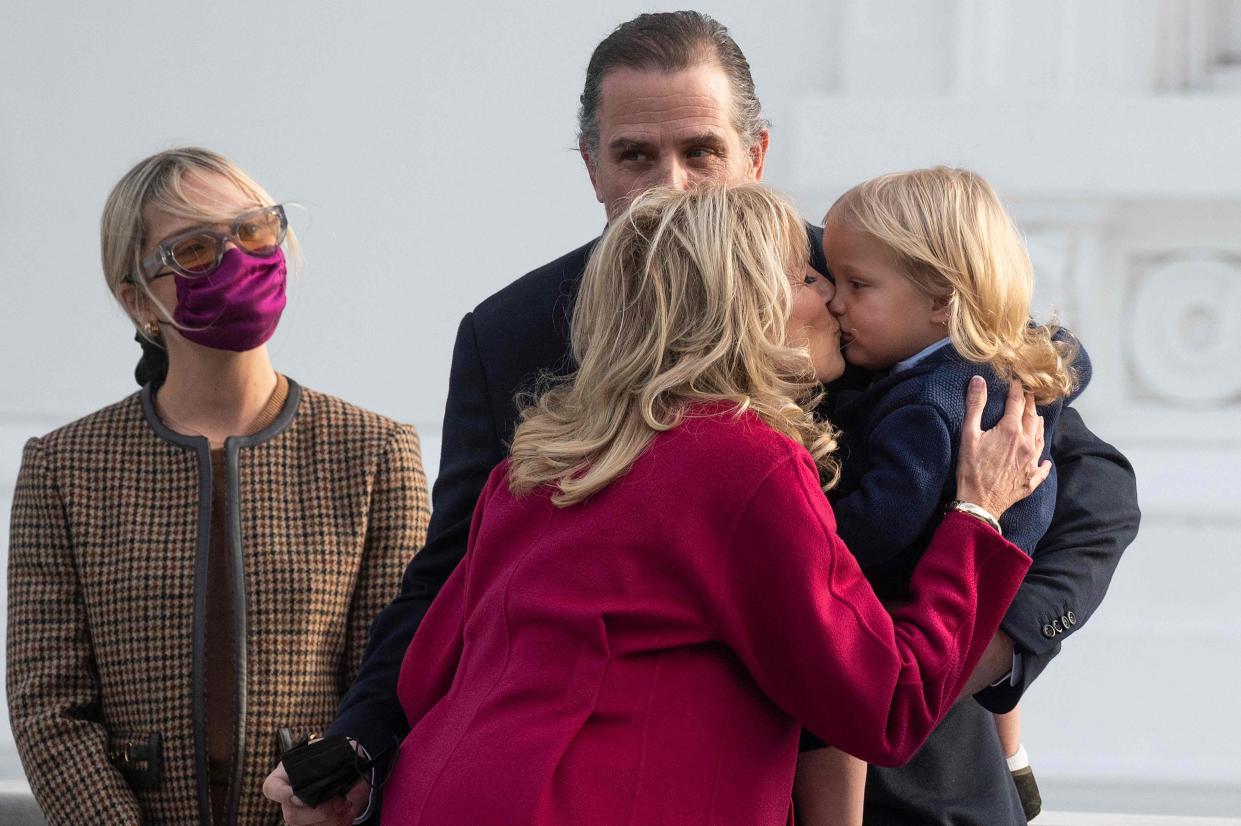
(107, 566)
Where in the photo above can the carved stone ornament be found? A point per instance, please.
(1183, 330)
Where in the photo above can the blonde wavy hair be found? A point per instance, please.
(954, 240)
(158, 182)
(685, 299)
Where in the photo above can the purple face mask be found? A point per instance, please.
(236, 307)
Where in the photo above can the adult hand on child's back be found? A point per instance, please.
(998, 467)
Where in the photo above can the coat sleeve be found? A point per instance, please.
(1096, 518)
(52, 681)
(370, 711)
(801, 617)
(909, 462)
(396, 528)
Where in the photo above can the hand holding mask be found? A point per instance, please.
(320, 770)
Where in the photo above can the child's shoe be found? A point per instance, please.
(1027, 790)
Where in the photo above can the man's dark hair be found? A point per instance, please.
(670, 42)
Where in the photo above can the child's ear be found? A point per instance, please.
(939, 310)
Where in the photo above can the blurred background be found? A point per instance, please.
(432, 150)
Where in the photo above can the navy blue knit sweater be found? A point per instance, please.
(899, 459)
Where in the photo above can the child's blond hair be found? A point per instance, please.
(954, 240)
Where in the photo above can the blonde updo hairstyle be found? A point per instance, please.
(952, 237)
(685, 299)
(159, 183)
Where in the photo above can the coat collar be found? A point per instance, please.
(852, 404)
(277, 426)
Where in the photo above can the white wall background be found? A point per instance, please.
(432, 147)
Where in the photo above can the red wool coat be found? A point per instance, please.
(650, 655)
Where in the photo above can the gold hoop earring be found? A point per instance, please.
(151, 328)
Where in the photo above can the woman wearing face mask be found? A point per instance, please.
(196, 567)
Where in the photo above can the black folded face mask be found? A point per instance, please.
(320, 770)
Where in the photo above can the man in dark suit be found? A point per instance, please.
(669, 100)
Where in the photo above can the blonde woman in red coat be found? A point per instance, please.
(654, 601)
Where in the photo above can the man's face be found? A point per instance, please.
(667, 129)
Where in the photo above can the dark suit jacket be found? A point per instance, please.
(522, 331)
